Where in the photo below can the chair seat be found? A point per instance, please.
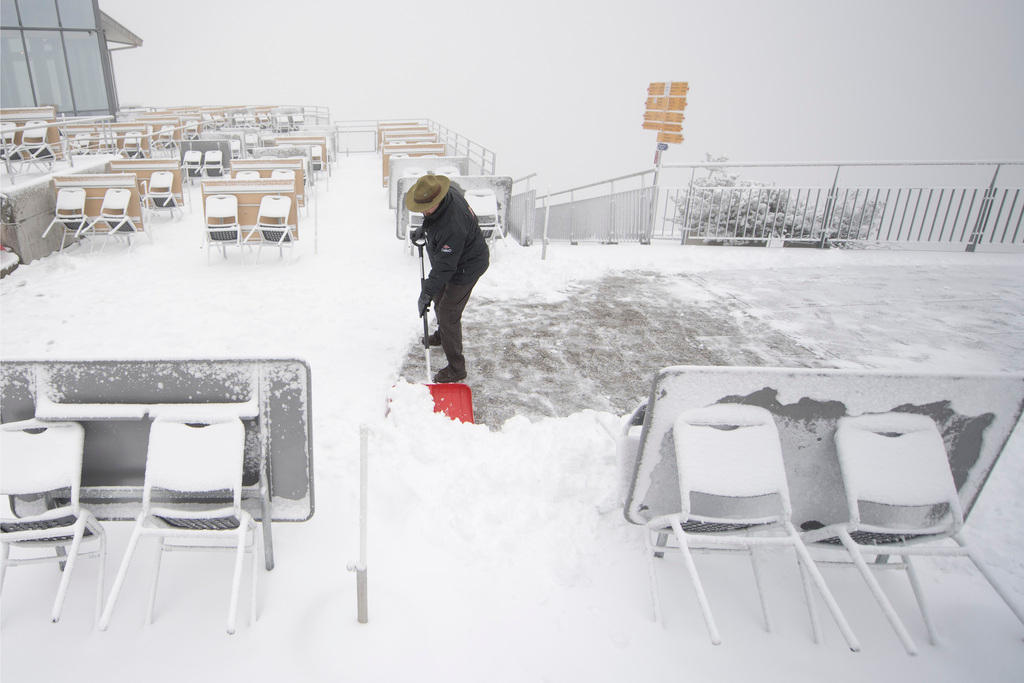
(217, 523)
(874, 538)
(39, 524)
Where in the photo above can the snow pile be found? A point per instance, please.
(529, 492)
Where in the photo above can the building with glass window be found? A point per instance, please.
(57, 52)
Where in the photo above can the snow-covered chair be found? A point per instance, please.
(901, 500)
(316, 154)
(158, 192)
(192, 163)
(70, 213)
(485, 205)
(34, 149)
(45, 458)
(131, 146)
(213, 163)
(164, 140)
(191, 131)
(248, 174)
(8, 134)
(236, 148)
(272, 224)
(114, 214)
(222, 228)
(197, 460)
(734, 496)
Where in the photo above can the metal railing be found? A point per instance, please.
(481, 159)
(944, 212)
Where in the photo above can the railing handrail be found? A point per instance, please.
(600, 182)
(794, 164)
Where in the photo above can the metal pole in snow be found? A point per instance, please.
(360, 567)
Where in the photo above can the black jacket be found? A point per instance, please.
(455, 245)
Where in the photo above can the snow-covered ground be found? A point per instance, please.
(499, 552)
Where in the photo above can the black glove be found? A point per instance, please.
(423, 304)
(419, 235)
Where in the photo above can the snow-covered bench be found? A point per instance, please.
(975, 414)
(116, 401)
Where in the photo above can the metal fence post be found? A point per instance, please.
(826, 222)
(611, 211)
(983, 212)
(684, 229)
(547, 214)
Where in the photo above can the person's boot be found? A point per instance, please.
(435, 338)
(446, 375)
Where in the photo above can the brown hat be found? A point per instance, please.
(427, 192)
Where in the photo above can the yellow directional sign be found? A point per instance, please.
(666, 101)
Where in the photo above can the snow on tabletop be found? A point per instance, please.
(32, 463)
(894, 458)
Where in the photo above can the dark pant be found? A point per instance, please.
(448, 306)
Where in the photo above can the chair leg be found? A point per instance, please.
(996, 586)
(877, 592)
(915, 585)
(755, 565)
(812, 613)
(255, 571)
(826, 594)
(5, 554)
(101, 534)
(115, 590)
(236, 579)
(702, 597)
(653, 576)
(156, 580)
(65, 579)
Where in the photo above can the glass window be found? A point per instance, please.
(15, 88)
(76, 14)
(86, 71)
(49, 72)
(8, 14)
(42, 13)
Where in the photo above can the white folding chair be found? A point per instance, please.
(114, 214)
(213, 163)
(222, 228)
(196, 462)
(45, 458)
(447, 171)
(901, 500)
(8, 134)
(192, 163)
(34, 149)
(70, 213)
(191, 130)
(165, 139)
(316, 153)
(734, 496)
(247, 175)
(484, 204)
(272, 224)
(131, 147)
(236, 148)
(158, 193)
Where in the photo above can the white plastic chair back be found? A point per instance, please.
(247, 175)
(44, 461)
(8, 130)
(115, 201)
(729, 450)
(70, 202)
(214, 157)
(282, 174)
(236, 148)
(222, 206)
(317, 152)
(193, 157)
(193, 459)
(484, 203)
(896, 459)
(161, 182)
(274, 209)
(36, 136)
(413, 172)
(449, 172)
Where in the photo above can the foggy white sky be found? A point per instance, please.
(558, 87)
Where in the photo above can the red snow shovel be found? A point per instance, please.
(452, 399)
